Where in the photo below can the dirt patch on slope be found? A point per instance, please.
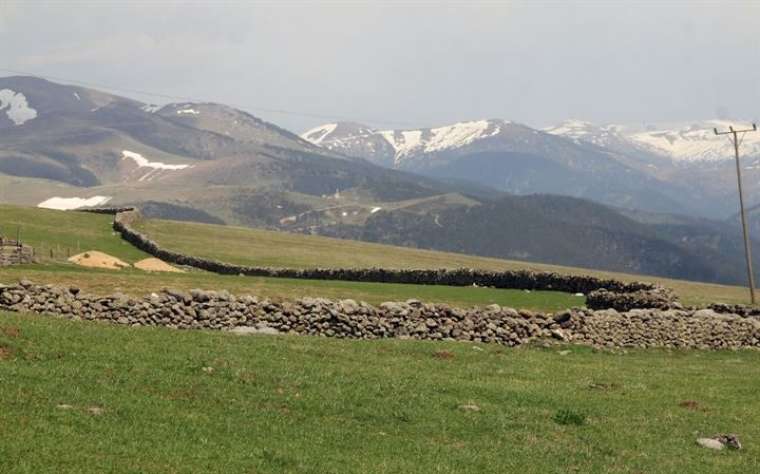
(5, 353)
(156, 265)
(11, 331)
(96, 259)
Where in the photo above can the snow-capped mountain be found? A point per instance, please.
(511, 157)
(690, 143)
(582, 131)
(404, 148)
(697, 142)
(353, 139)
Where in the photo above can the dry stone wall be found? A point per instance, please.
(220, 310)
(610, 293)
(656, 298)
(11, 253)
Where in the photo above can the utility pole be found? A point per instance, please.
(747, 250)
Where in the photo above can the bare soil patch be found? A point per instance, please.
(444, 355)
(5, 353)
(689, 405)
(96, 259)
(11, 331)
(156, 265)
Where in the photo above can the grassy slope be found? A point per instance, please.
(46, 229)
(303, 404)
(65, 233)
(265, 248)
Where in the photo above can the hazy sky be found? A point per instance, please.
(407, 63)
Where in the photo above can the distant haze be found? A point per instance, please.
(407, 64)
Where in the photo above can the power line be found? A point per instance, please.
(179, 98)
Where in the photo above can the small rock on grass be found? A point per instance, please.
(721, 441)
(731, 441)
(710, 443)
(261, 329)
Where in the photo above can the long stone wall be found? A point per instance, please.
(610, 293)
(212, 310)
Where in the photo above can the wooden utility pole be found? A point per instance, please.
(747, 250)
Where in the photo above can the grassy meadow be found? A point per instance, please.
(279, 249)
(64, 233)
(88, 397)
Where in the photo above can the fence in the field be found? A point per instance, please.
(46, 252)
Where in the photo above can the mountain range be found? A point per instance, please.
(678, 168)
(486, 187)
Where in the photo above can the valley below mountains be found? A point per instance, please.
(595, 197)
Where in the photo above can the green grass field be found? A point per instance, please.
(265, 248)
(89, 397)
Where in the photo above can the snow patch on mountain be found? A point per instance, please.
(582, 131)
(460, 134)
(694, 142)
(403, 143)
(66, 204)
(18, 109)
(697, 142)
(317, 135)
(151, 108)
(143, 162)
(188, 112)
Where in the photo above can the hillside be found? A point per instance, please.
(257, 247)
(81, 143)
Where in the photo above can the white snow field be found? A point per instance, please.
(406, 143)
(16, 107)
(684, 142)
(67, 204)
(154, 167)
